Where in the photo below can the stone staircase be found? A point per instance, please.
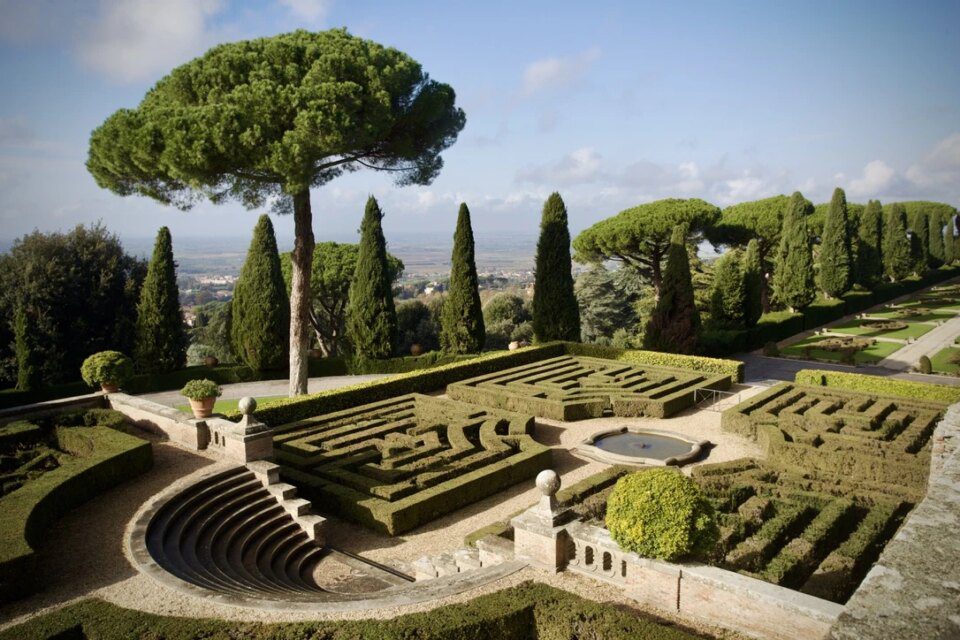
(489, 551)
(299, 509)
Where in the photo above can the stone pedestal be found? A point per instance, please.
(248, 439)
(539, 534)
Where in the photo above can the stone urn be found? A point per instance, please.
(203, 408)
(109, 387)
(316, 354)
(416, 349)
(211, 361)
(513, 346)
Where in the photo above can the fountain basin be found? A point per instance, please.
(641, 447)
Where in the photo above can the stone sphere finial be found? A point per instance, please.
(548, 482)
(247, 405)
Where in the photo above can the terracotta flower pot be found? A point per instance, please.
(203, 408)
(315, 353)
(109, 387)
(416, 349)
(211, 361)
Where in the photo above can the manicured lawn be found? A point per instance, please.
(871, 355)
(230, 405)
(913, 330)
(935, 315)
(941, 361)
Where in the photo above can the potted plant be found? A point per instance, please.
(416, 349)
(211, 361)
(203, 395)
(109, 369)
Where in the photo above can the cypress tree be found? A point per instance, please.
(461, 320)
(896, 246)
(728, 299)
(869, 249)
(949, 243)
(836, 264)
(25, 351)
(371, 315)
(556, 315)
(675, 321)
(752, 284)
(260, 311)
(919, 243)
(793, 280)
(935, 244)
(161, 340)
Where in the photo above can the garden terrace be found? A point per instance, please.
(858, 440)
(396, 464)
(575, 388)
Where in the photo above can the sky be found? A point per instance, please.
(610, 103)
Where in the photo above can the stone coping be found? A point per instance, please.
(135, 548)
(589, 449)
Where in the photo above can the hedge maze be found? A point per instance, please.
(398, 463)
(571, 388)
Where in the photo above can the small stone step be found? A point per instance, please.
(282, 490)
(494, 550)
(313, 525)
(267, 472)
(423, 569)
(467, 559)
(296, 506)
(445, 564)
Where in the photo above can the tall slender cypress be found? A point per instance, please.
(371, 314)
(920, 242)
(896, 245)
(752, 284)
(836, 264)
(674, 324)
(793, 280)
(161, 340)
(461, 320)
(728, 298)
(25, 350)
(556, 315)
(935, 244)
(949, 242)
(869, 247)
(260, 314)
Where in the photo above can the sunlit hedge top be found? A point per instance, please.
(250, 119)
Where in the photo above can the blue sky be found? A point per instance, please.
(612, 104)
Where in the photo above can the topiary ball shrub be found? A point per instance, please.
(771, 349)
(661, 514)
(201, 389)
(925, 365)
(107, 367)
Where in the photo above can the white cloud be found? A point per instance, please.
(556, 73)
(940, 168)
(878, 177)
(579, 167)
(313, 11)
(135, 40)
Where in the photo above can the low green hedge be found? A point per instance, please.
(102, 458)
(878, 385)
(529, 611)
(823, 311)
(700, 364)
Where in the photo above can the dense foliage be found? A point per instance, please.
(260, 311)
(201, 389)
(675, 322)
(506, 317)
(836, 257)
(371, 316)
(661, 514)
(272, 118)
(210, 333)
(728, 296)
(107, 367)
(25, 351)
(161, 337)
(897, 263)
(870, 245)
(606, 306)
(753, 284)
(462, 328)
(416, 325)
(555, 312)
(793, 279)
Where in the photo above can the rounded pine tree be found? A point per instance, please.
(371, 315)
(461, 320)
(836, 263)
(793, 280)
(556, 315)
(869, 247)
(897, 263)
(260, 312)
(753, 280)
(161, 340)
(674, 324)
(728, 299)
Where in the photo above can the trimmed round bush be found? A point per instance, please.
(661, 514)
(110, 367)
(200, 389)
(925, 365)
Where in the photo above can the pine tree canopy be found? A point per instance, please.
(260, 326)
(897, 263)
(674, 325)
(556, 315)
(639, 237)
(836, 260)
(371, 315)
(793, 277)
(461, 319)
(161, 338)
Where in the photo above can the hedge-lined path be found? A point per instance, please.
(264, 388)
(928, 344)
(760, 369)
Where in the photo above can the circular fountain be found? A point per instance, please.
(641, 447)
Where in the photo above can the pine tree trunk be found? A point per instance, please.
(302, 260)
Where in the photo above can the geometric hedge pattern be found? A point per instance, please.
(398, 463)
(575, 388)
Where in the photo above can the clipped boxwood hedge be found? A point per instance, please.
(102, 458)
(732, 368)
(529, 611)
(877, 385)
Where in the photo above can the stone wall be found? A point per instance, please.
(159, 418)
(913, 591)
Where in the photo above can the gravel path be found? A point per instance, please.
(264, 388)
(928, 344)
